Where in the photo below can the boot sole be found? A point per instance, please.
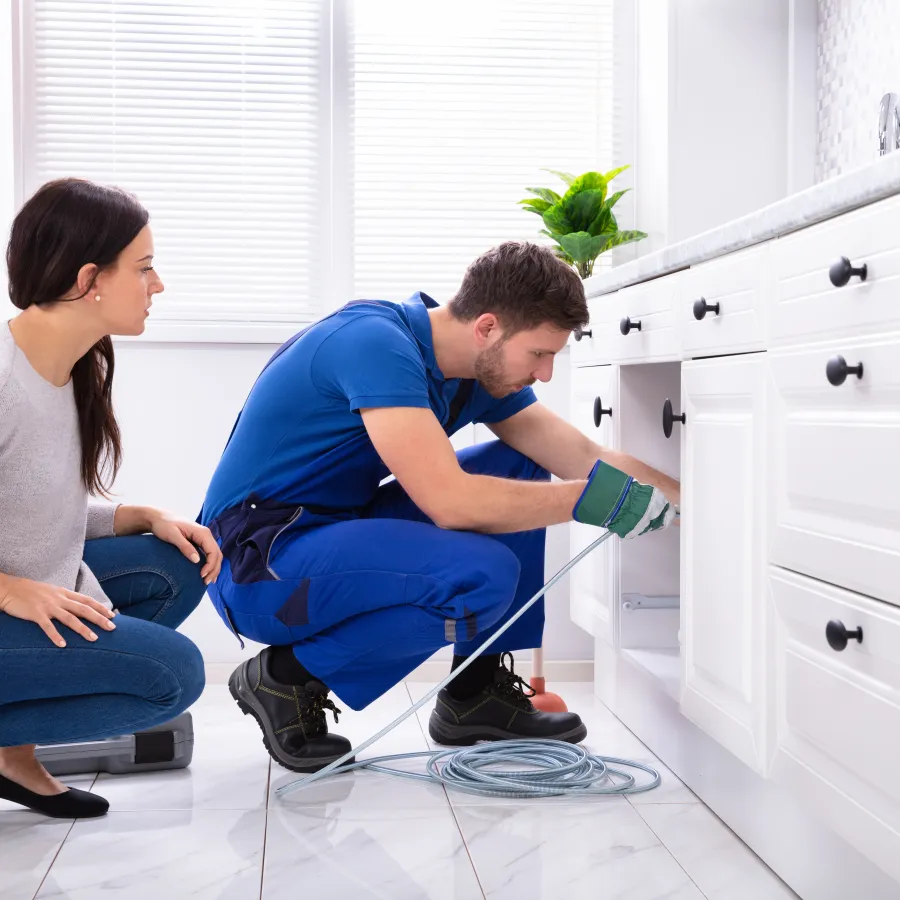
(444, 732)
(247, 703)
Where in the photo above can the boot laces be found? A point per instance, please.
(513, 686)
(312, 706)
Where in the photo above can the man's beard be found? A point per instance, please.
(491, 372)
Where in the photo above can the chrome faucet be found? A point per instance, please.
(889, 124)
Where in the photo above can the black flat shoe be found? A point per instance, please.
(71, 804)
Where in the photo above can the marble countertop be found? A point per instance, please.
(853, 189)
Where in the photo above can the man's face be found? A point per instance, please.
(507, 364)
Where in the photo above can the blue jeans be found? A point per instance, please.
(139, 675)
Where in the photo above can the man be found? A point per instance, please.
(353, 583)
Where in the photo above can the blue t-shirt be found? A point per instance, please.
(300, 438)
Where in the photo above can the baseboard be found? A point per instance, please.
(555, 670)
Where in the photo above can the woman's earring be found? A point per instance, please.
(97, 297)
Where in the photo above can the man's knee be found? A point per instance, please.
(501, 460)
(495, 570)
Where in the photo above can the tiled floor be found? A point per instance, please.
(217, 830)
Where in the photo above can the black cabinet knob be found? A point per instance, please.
(627, 325)
(837, 635)
(843, 270)
(669, 418)
(701, 308)
(600, 412)
(837, 370)
(583, 332)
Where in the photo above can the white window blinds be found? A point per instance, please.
(295, 154)
(215, 113)
(456, 107)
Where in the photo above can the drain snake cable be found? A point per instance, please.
(533, 768)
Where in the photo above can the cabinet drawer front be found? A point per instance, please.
(592, 348)
(834, 461)
(651, 305)
(804, 302)
(734, 287)
(837, 714)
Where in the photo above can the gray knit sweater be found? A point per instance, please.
(45, 512)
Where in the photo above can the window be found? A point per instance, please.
(295, 154)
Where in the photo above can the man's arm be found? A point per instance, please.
(558, 446)
(412, 444)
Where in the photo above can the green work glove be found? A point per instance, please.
(615, 501)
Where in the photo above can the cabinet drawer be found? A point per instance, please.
(834, 453)
(591, 347)
(650, 309)
(804, 302)
(836, 724)
(734, 287)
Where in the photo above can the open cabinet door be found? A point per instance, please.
(595, 400)
(723, 572)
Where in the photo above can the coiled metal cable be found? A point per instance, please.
(541, 768)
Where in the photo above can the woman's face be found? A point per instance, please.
(126, 290)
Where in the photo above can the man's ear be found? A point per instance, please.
(486, 329)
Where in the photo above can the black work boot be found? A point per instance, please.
(292, 717)
(500, 712)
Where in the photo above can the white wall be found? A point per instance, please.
(701, 105)
(176, 405)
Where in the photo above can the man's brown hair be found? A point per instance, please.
(525, 286)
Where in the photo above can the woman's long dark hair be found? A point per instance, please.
(68, 224)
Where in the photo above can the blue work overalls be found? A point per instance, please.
(365, 595)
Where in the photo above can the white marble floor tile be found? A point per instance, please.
(566, 848)
(229, 768)
(148, 854)
(29, 842)
(719, 862)
(366, 836)
(28, 845)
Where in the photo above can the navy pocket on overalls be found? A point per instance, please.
(246, 534)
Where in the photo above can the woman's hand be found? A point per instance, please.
(38, 602)
(184, 535)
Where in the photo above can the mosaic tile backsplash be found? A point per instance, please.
(858, 62)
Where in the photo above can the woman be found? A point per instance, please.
(71, 669)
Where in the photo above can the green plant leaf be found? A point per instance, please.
(581, 246)
(546, 194)
(565, 176)
(589, 181)
(604, 222)
(612, 201)
(557, 221)
(612, 174)
(620, 237)
(583, 207)
(536, 205)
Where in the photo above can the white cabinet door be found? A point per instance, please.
(723, 565)
(834, 455)
(593, 582)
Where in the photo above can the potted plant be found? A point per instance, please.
(581, 221)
